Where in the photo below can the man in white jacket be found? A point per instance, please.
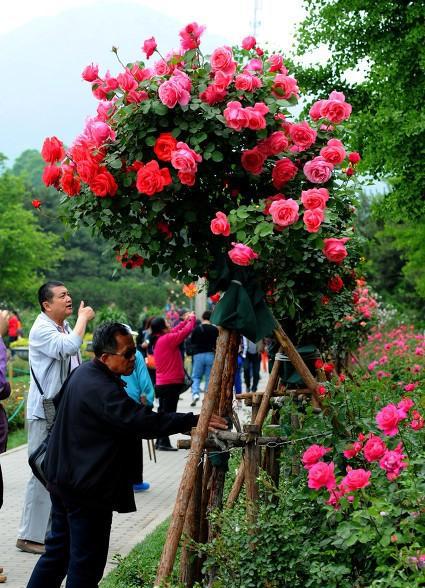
(53, 354)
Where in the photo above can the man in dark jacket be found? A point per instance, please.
(92, 460)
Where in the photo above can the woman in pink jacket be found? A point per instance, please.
(169, 365)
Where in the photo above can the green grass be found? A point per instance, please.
(138, 568)
(16, 438)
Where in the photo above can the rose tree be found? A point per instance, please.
(195, 162)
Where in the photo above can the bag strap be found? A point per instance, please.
(36, 381)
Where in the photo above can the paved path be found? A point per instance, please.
(153, 506)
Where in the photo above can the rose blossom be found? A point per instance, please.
(313, 218)
(220, 225)
(274, 144)
(254, 65)
(172, 92)
(51, 175)
(247, 82)
(313, 454)
(252, 161)
(374, 448)
(87, 169)
(302, 135)
(248, 43)
(151, 179)
(141, 74)
(222, 80)
(334, 249)
(256, 113)
(356, 479)
(418, 421)
(316, 110)
(164, 146)
(222, 59)
(242, 254)
(315, 198)
(269, 201)
(212, 94)
(126, 81)
(354, 157)
(321, 475)
(191, 36)
(335, 284)
(284, 87)
(105, 109)
(103, 184)
(52, 150)
(149, 47)
(236, 117)
(283, 171)
(318, 170)
(36, 203)
(387, 420)
(334, 152)
(353, 450)
(404, 406)
(136, 96)
(70, 183)
(284, 212)
(90, 73)
(335, 109)
(392, 462)
(185, 159)
(99, 132)
(276, 64)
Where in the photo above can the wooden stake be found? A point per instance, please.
(252, 462)
(188, 479)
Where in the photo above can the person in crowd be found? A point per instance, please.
(14, 327)
(202, 345)
(91, 460)
(170, 373)
(139, 387)
(173, 316)
(144, 345)
(53, 354)
(4, 393)
(251, 367)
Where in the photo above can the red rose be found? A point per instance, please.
(328, 368)
(284, 171)
(213, 94)
(318, 364)
(70, 183)
(252, 161)
(51, 175)
(52, 150)
(334, 249)
(151, 179)
(335, 284)
(354, 157)
(186, 178)
(164, 146)
(36, 203)
(104, 184)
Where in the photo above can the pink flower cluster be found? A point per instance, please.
(334, 109)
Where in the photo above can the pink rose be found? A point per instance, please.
(90, 73)
(334, 249)
(315, 198)
(334, 152)
(302, 135)
(392, 462)
(274, 144)
(252, 161)
(254, 65)
(404, 406)
(313, 454)
(321, 475)
(242, 254)
(284, 212)
(387, 420)
(356, 479)
(185, 159)
(284, 171)
(99, 132)
(220, 225)
(222, 80)
(222, 59)
(149, 47)
(256, 120)
(136, 96)
(248, 43)
(161, 68)
(172, 92)
(353, 450)
(284, 87)
(212, 94)
(141, 74)
(374, 448)
(126, 81)
(110, 83)
(276, 64)
(313, 218)
(247, 82)
(318, 170)
(269, 201)
(236, 117)
(105, 110)
(190, 36)
(316, 110)
(336, 109)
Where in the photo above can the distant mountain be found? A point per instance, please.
(41, 64)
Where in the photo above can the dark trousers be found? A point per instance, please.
(77, 547)
(251, 370)
(168, 396)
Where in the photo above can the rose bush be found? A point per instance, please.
(188, 138)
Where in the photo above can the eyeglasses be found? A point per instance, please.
(126, 355)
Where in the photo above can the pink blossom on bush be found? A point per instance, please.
(254, 65)
(126, 81)
(274, 144)
(316, 110)
(248, 43)
(283, 171)
(276, 64)
(222, 60)
(99, 132)
(315, 198)
(356, 479)
(374, 448)
(190, 36)
(392, 462)
(252, 160)
(285, 87)
(334, 249)
(404, 406)
(387, 420)
(321, 475)
(269, 201)
(220, 225)
(284, 212)
(335, 109)
(185, 159)
(236, 117)
(149, 47)
(318, 170)
(302, 135)
(334, 152)
(152, 179)
(105, 109)
(256, 114)
(313, 454)
(353, 450)
(247, 82)
(90, 73)
(212, 94)
(136, 96)
(242, 254)
(141, 74)
(172, 91)
(313, 218)
(354, 157)
(410, 387)
(418, 421)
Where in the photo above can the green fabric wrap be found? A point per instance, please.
(219, 459)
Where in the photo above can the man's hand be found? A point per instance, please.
(217, 422)
(4, 322)
(86, 312)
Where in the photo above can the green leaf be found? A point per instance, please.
(160, 108)
(217, 156)
(150, 141)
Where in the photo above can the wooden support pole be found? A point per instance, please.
(252, 463)
(231, 440)
(188, 479)
(261, 416)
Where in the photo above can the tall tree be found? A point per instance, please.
(385, 42)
